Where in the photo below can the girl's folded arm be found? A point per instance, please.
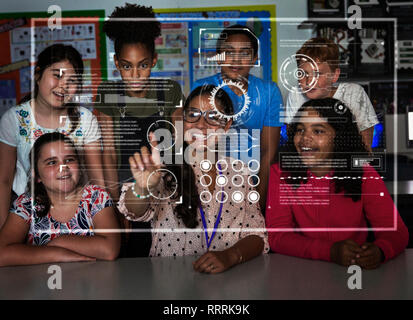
(13, 250)
(103, 245)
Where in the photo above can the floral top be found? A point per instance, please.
(239, 216)
(44, 229)
(18, 128)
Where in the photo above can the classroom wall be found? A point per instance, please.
(396, 126)
(284, 9)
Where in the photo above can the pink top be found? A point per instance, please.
(238, 219)
(329, 217)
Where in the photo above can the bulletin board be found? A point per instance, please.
(24, 35)
(178, 45)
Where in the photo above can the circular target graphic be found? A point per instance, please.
(205, 196)
(155, 125)
(244, 107)
(221, 165)
(221, 197)
(290, 74)
(237, 196)
(254, 165)
(175, 184)
(205, 165)
(205, 180)
(253, 196)
(339, 107)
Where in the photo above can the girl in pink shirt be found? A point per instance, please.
(320, 202)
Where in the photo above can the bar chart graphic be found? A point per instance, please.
(217, 57)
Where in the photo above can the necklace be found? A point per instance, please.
(207, 239)
(122, 111)
(121, 103)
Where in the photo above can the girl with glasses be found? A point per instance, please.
(201, 208)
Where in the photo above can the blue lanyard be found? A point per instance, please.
(209, 240)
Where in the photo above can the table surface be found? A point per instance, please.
(270, 276)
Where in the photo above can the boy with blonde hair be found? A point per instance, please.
(318, 65)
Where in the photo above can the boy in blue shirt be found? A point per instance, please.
(257, 103)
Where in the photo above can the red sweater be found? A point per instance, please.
(324, 217)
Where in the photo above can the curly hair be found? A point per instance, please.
(123, 31)
(348, 143)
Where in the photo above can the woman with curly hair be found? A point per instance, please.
(319, 204)
(128, 108)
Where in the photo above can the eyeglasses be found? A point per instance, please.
(212, 117)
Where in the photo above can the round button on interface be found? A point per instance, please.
(253, 196)
(237, 196)
(221, 181)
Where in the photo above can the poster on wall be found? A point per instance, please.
(27, 35)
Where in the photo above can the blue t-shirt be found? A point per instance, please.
(262, 111)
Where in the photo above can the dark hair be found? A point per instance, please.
(237, 29)
(53, 54)
(347, 144)
(129, 32)
(187, 210)
(220, 95)
(37, 189)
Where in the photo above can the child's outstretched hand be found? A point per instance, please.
(371, 257)
(144, 164)
(345, 252)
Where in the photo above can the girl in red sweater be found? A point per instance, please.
(320, 201)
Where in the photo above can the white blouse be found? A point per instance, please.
(18, 128)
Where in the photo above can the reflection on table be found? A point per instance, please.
(271, 276)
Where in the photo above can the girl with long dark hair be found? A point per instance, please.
(323, 196)
(200, 207)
